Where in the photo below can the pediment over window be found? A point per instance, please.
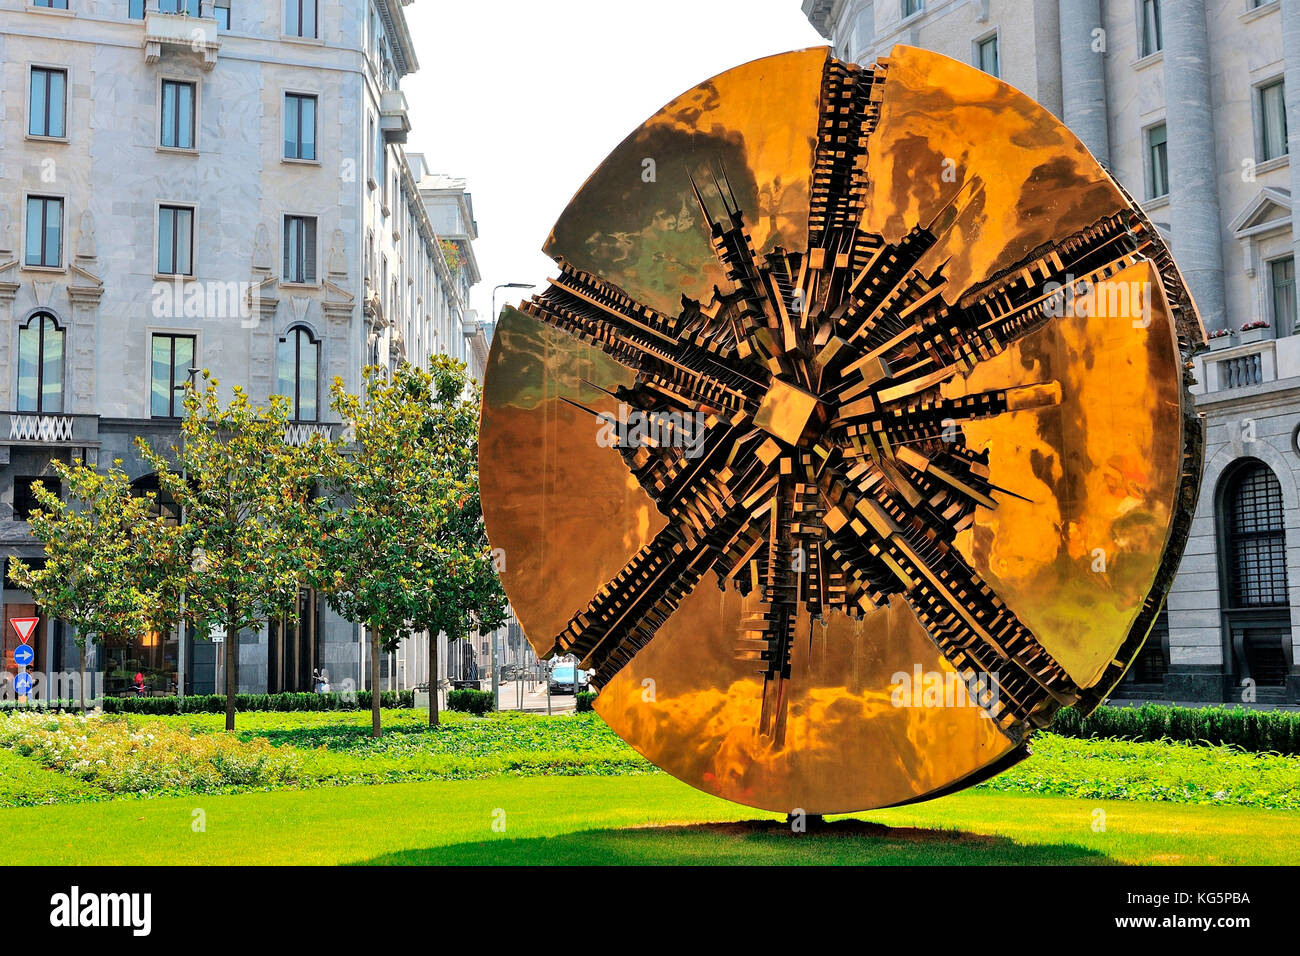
(1269, 210)
(1263, 218)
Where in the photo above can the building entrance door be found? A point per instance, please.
(293, 648)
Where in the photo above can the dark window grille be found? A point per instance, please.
(1264, 654)
(1256, 540)
(1151, 666)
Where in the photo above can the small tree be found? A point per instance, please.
(250, 514)
(111, 560)
(397, 535)
(466, 594)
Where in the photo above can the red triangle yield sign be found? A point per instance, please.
(24, 626)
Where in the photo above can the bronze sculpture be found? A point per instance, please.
(886, 358)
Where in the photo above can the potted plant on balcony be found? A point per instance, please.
(1219, 338)
(1255, 331)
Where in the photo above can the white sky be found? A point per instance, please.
(524, 98)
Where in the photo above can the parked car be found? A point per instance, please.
(561, 679)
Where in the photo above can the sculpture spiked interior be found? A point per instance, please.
(851, 440)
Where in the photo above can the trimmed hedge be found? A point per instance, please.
(476, 702)
(54, 705)
(216, 703)
(585, 700)
(1262, 731)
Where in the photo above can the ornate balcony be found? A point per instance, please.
(180, 30)
(1245, 369)
(49, 430)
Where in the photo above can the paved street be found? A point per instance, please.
(533, 698)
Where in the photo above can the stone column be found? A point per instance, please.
(1083, 76)
(1290, 24)
(1194, 215)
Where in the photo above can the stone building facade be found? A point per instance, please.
(1195, 107)
(218, 185)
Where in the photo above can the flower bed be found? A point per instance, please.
(120, 756)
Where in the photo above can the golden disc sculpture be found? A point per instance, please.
(853, 438)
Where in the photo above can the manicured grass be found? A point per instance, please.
(1159, 771)
(342, 751)
(642, 819)
(161, 756)
(24, 783)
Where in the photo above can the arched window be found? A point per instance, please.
(164, 504)
(40, 365)
(1152, 662)
(1257, 617)
(1256, 538)
(298, 373)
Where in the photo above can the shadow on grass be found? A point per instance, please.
(761, 842)
(345, 736)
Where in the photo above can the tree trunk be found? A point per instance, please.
(433, 680)
(232, 663)
(374, 683)
(81, 673)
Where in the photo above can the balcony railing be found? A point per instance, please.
(1223, 374)
(299, 433)
(1241, 370)
(43, 428)
(165, 27)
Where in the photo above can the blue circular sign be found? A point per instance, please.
(24, 655)
(23, 684)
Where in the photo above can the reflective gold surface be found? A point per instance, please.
(778, 579)
(644, 236)
(1100, 469)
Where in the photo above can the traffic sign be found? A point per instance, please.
(24, 627)
(23, 685)
(24, 655)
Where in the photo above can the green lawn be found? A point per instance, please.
(169, 756)
(631, 819)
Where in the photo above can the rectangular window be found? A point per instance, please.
(384, 172)
(376, 154)
(51, 4)
(987, 55)
(1285, 312)
(48, 103)
(299, 126)
(1158, 151)
(1153, 39)
(188, 7)
(25, 499)
(221, 12)
(912, 6)
(175, 240)
(300, 18)
(135, 9)
(1272, 121)
(177, 125)
(172, 357)
(299, 249)
(44, 232)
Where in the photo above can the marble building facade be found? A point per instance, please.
(219, 185)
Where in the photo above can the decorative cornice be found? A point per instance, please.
(85, 294)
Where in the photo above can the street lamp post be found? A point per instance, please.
(182, 657)
(506, 285)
